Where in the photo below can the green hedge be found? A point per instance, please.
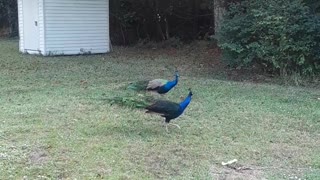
(282, 36)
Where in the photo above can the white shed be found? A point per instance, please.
(64, 27)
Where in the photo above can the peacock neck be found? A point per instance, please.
(175, 82)
(171, 84)
(177, 78)
(185, 103)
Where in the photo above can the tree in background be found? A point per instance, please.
(218, 8)
(282, 36)
(135, 20)
(159, 20)
(314, 6)
(9, 17)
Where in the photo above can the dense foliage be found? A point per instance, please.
(9, 17)
(158, 20)
(314, 6)
(283, 36)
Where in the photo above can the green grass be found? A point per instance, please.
(55, 121)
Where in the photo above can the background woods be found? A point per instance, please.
(280, 37)
(134, 20)
(156, 20)
(8, 18)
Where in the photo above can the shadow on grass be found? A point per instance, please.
(132, 129)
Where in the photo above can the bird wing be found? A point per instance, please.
(156, 83)
(138, 86)
(165, 108)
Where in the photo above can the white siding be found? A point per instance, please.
(76, 26)
(41, 27)
(20, 17)
(108, 32)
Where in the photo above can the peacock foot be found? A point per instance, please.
(175, 125)
(166, 124)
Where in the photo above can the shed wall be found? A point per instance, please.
(41, 26)
(30, 26)
(20, 18)
(75, 26)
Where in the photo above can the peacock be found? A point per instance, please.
(160, 86)
(169, 110)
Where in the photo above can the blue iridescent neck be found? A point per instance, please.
(185, 102)
(171, 84)
(176, 80)
(177, 77)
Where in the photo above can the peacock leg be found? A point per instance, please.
(165, 124)
(175, 125)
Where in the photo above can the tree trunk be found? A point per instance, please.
(12, 15)
(160, 32)
(158, 20)
(218, 11)
(167, 28)
(195, 9)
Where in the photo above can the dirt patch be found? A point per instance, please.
(38, 157)
(161, 164)
(161, 167)
(283, 151)
(236, 173)
(242, 172)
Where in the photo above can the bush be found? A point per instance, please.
(280, 35)
(9, 17)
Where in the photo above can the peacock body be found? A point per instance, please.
(169, 110)
(160, 86)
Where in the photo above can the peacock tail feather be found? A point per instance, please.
(138, 86)
(132, 100)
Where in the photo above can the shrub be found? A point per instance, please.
(281, 35)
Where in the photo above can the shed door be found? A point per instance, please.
(31, 24)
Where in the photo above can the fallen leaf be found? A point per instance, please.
(229, 162)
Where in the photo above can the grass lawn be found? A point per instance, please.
(55, 121)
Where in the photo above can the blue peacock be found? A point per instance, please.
(169, 110)
(160, 86)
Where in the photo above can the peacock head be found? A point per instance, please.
(190, 92)
(176, 72)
